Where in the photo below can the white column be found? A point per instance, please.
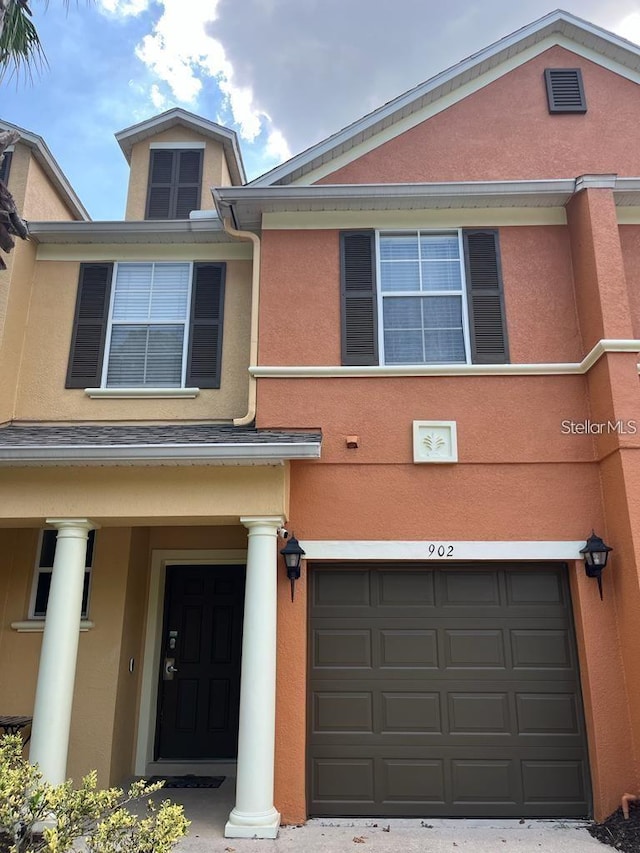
(254, 815)
(57, 671)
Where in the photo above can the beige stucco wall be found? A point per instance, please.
(131, 649)
(214, 169)
(116, 495)
(15, 297)
(106, 699)
(19, 653)
(42, 395)
(35, 198)
(41, 200)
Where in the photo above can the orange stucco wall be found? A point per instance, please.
(505, 132)
(519, 476)
(301, 270)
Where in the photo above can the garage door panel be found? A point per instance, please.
(413, 589)
(475, 648)
(469, 589)
(541, 649)
(540, 587)
(343, 712)
(409, 648)
(445, 692)
(487, 780)
(546, 781)
(342, 649)
(341, 779)
(472, 713)
(415, 780)
(417, 712)
(547, 713)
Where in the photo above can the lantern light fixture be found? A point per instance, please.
(595, 554)
(293, 554)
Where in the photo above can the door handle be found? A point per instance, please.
(169, 669)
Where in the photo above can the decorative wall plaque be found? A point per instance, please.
(435, 441)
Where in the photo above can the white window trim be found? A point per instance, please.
(463, 284)
(34, 620)
(176, 146)
(159, 391)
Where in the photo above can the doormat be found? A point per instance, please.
(188, 781)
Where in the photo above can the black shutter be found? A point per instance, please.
(358, 296)
(89, 326)
(175, 180)
(189, 181)
(5, 166)
(565, 92)
(205, 341)
(487, 325)
(161, 180)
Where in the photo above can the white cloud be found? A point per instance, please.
(123, 8)
(277, 148)
(629, 27)
(183, 56)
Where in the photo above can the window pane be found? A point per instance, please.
(170, 292)
(444, 346)
(423, 330)
(403, 347)
(145, 356)
(441, 275)
(127, 356)
(442, 312)
(400, 275)
(439, 246)
(48, 549)
(42, 594)
(398, 247)
(132, 294)
(402, 312)
(164, 356)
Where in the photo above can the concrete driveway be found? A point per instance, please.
(208, 810)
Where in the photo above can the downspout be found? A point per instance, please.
(225, 211)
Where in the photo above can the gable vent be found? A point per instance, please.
(565, 92)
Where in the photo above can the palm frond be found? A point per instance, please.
(20, 47)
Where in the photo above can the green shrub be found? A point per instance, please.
(36, 817)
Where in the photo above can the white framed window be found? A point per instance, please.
(422, 298)
(147, 332)
(44, 570)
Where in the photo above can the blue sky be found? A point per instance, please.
(282, 73)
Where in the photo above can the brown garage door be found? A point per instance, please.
(440, 691)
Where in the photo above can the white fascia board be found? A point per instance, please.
(443, 550)
(359, 192)
(560, 24)
(236, 453)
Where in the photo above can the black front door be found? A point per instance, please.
(199, 695)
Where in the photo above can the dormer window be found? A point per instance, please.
(175, 181)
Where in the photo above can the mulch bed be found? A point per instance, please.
(619, 833)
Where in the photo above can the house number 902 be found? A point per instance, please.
(434, 550)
